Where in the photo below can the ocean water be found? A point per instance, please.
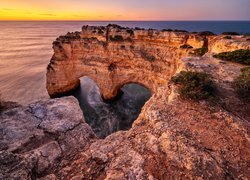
(26, 48)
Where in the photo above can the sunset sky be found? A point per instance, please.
(124, 9)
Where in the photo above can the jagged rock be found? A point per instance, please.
(36, 138)
(117, 56)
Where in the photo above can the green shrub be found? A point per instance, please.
(186, 46)
(206, 33)
(227, 37)
(100, 32)
(200, 51)
(230, 33)
(179, 30)
(167, 30)
(241, 56)
(130, 31)
(242, 84)
(116, 38)
(194, 85)
(114, 26)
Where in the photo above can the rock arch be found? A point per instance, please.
(113, 56)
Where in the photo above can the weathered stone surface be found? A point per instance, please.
(219, 44)
(175, 138)
(35, 139)
(113, 56)
(149, 60)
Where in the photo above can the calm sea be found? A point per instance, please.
(26, 48)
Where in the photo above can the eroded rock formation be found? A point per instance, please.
(113, 56)
(36, 139)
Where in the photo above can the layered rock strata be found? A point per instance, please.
(113, 56)
(36, 139)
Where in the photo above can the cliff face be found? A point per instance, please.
(114, 56)
(36, 139)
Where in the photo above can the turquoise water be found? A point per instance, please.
(26, 48)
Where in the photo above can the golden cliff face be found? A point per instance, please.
(113, 56)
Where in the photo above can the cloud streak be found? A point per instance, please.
(45, 14)
(126, 10)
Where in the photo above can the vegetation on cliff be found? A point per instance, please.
(186, 46)
(227, 37)
(116, 38)
(231, 33)
(199, 51)
(241, 56)
(242, 84)
(206, 33)
(194, 85)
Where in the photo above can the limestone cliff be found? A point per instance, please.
(113, 56)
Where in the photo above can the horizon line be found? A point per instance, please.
(119, 20)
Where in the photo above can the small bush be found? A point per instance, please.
(227, 37)
(179, 30)
(206, 33)
(200, 51)
(194, 85)
(114, 26)
(186, 46)
(231, 33)
(117, 38)
(138, 28)
(248, 39)
(123, 47)
(100, 32)
(242, 84)
(130, 31)
(241, 56)
(167, 30)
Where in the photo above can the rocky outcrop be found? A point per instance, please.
(113, 56)
(175, 138)
(36, 139)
